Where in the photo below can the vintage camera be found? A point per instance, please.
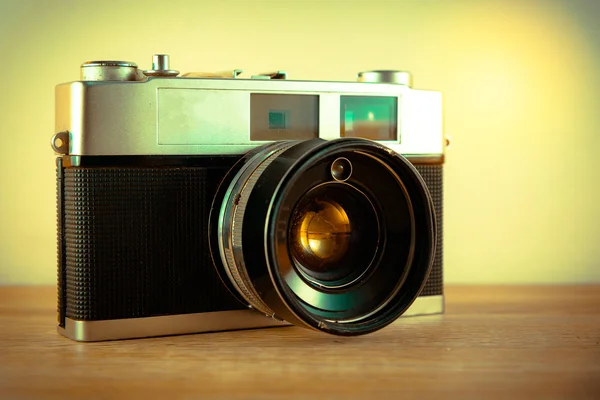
(206, 202)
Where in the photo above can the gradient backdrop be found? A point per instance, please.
(521, 89)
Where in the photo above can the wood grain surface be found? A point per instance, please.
(509, 342)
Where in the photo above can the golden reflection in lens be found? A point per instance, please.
(321, 233)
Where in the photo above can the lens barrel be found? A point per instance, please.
(338, 236)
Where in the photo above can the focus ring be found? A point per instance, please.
(231, 234)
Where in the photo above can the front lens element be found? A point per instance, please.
(334, 234)
(320, 234)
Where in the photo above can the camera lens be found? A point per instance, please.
(337, 236)
(333, 235)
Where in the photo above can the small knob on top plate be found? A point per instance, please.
(160, 66)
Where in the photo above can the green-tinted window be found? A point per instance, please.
(370, 117)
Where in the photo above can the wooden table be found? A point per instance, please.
(494, 342)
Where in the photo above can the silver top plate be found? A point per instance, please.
(200, 116)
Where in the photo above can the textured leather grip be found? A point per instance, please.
(434, 177)
(133, 241)
(136, 244)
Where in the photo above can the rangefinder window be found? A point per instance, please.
(369, 117)
(284, 116)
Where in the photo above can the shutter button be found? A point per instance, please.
(160, 66)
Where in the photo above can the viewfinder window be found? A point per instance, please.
(284, 116)
(369, 117)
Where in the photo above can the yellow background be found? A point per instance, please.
(521, 90)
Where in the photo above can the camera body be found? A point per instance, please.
(142, 156)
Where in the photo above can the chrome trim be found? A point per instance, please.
(93, 331)
(130, 328)
(426, 305)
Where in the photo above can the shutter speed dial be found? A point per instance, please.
(108, 71)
